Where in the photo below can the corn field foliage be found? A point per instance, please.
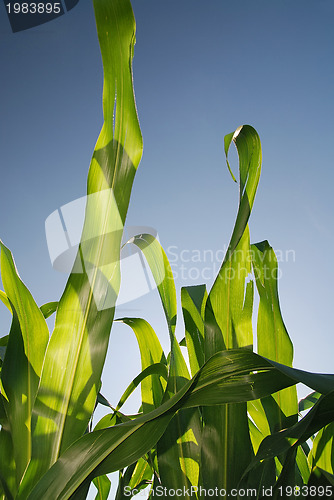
(227, 419)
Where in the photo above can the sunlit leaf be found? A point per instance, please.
(151, 353)
(4, 299)
(49, 308)
(76, 352)
(26, 345)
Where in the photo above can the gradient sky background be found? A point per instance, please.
(201, 69)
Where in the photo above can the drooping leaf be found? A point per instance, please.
(163, 277)
(159, 369)
(34, 329)
(229, 305)
(48, 309)
(248, 145)
(4, 300)
(151, 353)
(229, 376)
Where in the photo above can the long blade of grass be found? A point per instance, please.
(76, 352)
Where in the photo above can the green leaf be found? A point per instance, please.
(193, 299)
(112, 419)
(273, 340)
(309, 401)
(34, 329)
(280, 410)
(103, 486)
(3, 347)
(159, 369)
(229, 305)
(287, 441)
(4, 341)
(141, 475)
(136, 478)
(248, 145)
(322, 450)
(162, 274)
(255, 434)
(76, 353)
(151, 353)
(229, 376)
(49, 308)
(4, 299)
(99, 446)
(7, 465)
(257, 414)
(178, 450)
(163, 277)
(228, 324)
(322, 478)
(22, 365)
(302, 464)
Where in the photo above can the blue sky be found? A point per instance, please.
(201, 69)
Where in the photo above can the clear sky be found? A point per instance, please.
(201, 69)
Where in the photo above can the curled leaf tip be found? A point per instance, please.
(237, 132)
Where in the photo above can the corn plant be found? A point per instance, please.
(228, 420)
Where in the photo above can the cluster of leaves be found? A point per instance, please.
(231, 422)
